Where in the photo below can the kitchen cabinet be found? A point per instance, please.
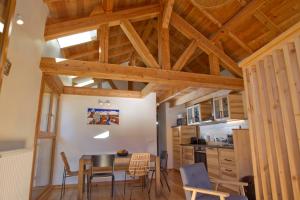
(181, 135)
(231, 164)
(187, 155)
(228, 107)
(193, 115)
(212, 159)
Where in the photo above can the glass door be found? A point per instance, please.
(217, 109)
(225, 112)
(45, 142)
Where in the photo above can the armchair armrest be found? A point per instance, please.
(194, 191)
(237, 183)
(219, 181)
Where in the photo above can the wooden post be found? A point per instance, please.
(157, 176)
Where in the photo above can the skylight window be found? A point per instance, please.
(85, 83)
(1, 27)
(75, 39)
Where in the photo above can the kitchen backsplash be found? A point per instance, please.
(221, 130)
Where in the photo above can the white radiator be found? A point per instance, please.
(15, 173)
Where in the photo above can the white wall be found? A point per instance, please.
(136, 131)
(20, 90)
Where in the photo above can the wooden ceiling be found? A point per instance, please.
(199, 38)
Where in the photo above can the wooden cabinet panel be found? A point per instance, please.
(226, 157)
(187, 155)
(212, 151)
(213, 166)
(182, 135)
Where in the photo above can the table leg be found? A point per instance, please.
(157, 176)
(80, 180)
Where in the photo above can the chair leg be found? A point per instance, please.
(62, 184)
(112, 185)
(166, 180)
(89, 190)
(125, 185)
(151, 181)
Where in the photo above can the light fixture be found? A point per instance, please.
(19, 19)
(104, 103)
(102, 135)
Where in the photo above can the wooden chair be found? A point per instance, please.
(198, 186)
(163, 170)
(138, 170)
(66, 174)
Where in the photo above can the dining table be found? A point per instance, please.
(120, 163)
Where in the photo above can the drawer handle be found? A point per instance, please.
(228, 170)
(228, 160)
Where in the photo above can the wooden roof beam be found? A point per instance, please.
(205, 44)
(262, 18)
(138, 74)
(101, 92)
(245, 12)
(73, 26)
(219, 24)
(163, 38)
(168, 7)
(170, 94)
(138, 44)
(146, 34)
(185, 56)
(112, 84)
(54, 82)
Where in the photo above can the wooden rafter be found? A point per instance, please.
(163, 45)
(214, 64)
(73, 26)
(168, 7)
(130, 85)
(205, 44)
(220, 26)
(171, 93)
(261, 17)
(108, 5)
(101, 92)
(103, 43)
(183, 59)
(245, 12)
(145, 35)
(138, 44)
(138, 74)
(55, 83)
(112, 84)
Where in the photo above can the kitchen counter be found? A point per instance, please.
(225, 146)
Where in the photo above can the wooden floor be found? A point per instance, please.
(103, 191)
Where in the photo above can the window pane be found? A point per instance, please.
(54, 113)
(45, 112)
(43, 164)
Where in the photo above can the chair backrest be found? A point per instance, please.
(195, 176)
(164, 160)
(139, 164)
(66, 163)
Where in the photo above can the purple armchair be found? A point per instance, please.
(197, 185)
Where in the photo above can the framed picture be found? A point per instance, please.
(99, 116)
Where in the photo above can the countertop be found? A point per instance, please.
(226, 146)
